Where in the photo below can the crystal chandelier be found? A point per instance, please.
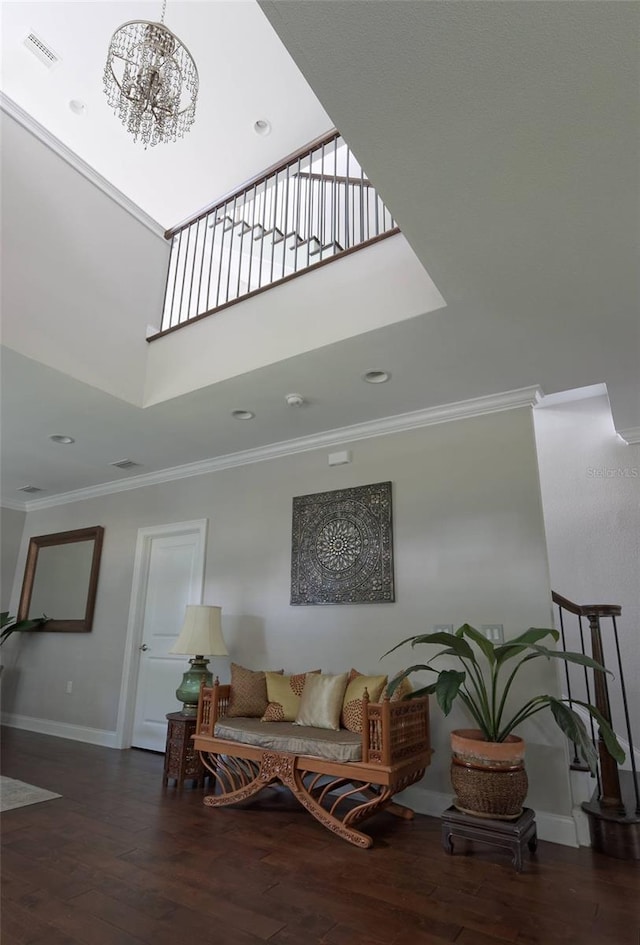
(151, 81)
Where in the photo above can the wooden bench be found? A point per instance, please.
(394, 748)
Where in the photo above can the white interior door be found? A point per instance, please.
(170, 576)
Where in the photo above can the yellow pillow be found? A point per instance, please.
(352, 702)
(321, 701)
(283, 693)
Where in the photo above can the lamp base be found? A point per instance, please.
(189, 690)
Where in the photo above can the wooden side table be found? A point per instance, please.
(181, 761)
(513, 835)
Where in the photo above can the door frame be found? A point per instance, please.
(128, 688)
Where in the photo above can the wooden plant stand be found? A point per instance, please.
(512, 835)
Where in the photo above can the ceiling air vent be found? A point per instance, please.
(30, 489)
(125, 464)
(41, 51)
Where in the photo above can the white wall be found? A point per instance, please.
(11, 526)
(81, 278)
(469, 545)
(380, 285)
(590, 482)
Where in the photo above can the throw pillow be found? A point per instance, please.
(248, 693)
(352, 702)
(321, 701)
(283, 693)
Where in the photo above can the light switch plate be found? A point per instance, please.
(493, 632)
(442, 628)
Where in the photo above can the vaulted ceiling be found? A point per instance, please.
(503, 137)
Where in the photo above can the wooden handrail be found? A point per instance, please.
(614, 809)
(254, 181)
(265, 288)
(297, 215)
(586, 610)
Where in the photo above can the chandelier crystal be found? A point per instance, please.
(151, 81)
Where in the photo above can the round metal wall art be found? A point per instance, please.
(342, 546)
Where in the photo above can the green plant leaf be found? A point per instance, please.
(10, 625)
(447, 688)
(608, 735)
(521, 643)
(459, 646)
(423, 691)
(570, 657)
(481, 641)
(508, 650)
(533, 634)
(395, 682)
(574, 728)
(397, 646)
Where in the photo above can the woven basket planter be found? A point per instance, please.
(489, 778)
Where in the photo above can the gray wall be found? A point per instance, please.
(590, 481)
(469, 545)
(11, 526)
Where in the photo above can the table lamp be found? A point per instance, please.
(201, 636)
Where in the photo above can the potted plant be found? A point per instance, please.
(9, 625)
(487, 769)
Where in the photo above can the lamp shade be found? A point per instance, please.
(201, 633)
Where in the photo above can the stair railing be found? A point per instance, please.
(596, 689)
(315, 206)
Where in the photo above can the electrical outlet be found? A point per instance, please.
(69, 688)
(493, 632)
(443, 628)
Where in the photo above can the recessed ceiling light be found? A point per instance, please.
(61, 438)
(262, 127)
(376, 377)
(243, 414)
(77, 107)
(294, 400)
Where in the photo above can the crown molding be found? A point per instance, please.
(13, 504)
(631, 435)
(462, 410)
(39, 131)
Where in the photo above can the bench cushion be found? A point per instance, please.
(298, 739)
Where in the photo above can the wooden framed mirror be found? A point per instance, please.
(61, 579)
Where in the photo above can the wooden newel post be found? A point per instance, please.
(610, 795)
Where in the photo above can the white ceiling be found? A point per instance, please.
(245, 74)
(504, 139)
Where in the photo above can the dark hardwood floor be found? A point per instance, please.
(118, 861)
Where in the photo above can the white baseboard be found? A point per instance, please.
(77, 733)
(555, 828)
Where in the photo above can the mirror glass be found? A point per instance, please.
(61, 577)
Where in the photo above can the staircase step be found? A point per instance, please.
(278, 237)
(314, 245)
(224, 219)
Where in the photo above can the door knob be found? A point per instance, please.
(143, 648)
